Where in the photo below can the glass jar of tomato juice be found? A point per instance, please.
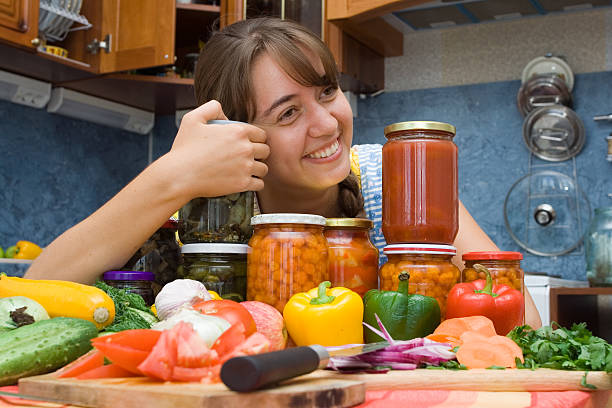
(287, 254)
(353, 259)
(420, 193)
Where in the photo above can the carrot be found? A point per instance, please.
(444, 338)
(457, 326)
(480, 351)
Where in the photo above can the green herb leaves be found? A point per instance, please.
(563, 349)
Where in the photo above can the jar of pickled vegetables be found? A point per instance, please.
(138, 282)
(217, 219)
(220, 267)
(287, 255)
(420, 193)
(352, 258)
(431, 270)
(504, 267)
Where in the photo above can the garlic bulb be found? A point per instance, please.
(178, 293)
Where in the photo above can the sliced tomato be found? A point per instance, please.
(126, 357)
(86, 362)
(229, 340)
(229, 310)
(191, 350)
(256, 343)
(139, 339)
(106, 371)
(161, 360)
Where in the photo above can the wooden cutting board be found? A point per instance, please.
(479, 379)
(322, 388)
(139, 392)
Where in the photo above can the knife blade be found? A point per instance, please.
(248, 373)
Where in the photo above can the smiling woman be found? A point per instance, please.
(294, 151)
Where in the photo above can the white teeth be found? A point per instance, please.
(325, 152)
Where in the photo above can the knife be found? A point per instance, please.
(248, 373)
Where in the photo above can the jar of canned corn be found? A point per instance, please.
(287, 254)
(431, 270)
(504, 267)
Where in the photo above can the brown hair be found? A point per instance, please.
(224, 66)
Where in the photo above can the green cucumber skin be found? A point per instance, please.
(43, 346)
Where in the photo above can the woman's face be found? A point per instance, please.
(309, 129)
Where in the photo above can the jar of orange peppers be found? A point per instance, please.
(431, 270)
(287, 254)
(353, 259)
(504, 267)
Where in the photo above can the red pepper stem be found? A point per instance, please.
(322, 297)
(488, 288)
(404, 276)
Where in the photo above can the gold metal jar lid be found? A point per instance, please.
(420, 125)
(348, 223)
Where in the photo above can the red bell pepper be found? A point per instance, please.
(504, 305)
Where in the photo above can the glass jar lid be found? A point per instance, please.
(420, 125)
(128, 275)
(420, 249)
(214, 248)
(288, 218)
(492, 255)
(348, 223)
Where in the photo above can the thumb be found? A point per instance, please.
(209, 111)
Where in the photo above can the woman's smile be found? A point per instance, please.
(326, 152)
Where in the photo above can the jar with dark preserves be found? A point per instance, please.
(160, 254)
(420, 193)
(220, 267)
(137, 282)
(217, 219)
(287, 255)
(352, 258)
(504, 267)
(431, 270)
(598, 248)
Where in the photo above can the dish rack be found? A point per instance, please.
(58, 17)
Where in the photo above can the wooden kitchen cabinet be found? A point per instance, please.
(19, 21)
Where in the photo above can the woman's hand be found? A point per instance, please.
(214, 160)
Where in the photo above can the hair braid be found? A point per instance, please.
(350, 199)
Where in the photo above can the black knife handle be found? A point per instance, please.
(248, 373)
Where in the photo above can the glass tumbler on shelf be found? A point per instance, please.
(420, 192)
(598, 248)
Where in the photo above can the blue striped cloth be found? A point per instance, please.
(370, 168)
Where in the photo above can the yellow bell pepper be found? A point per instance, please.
(215, 295)
(27, 250)
(329, 317)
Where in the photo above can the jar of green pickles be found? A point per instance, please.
(220, 267)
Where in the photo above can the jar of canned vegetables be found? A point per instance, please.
(419, 183)
(287, 255)
(217, 219)
(352, 258)
(504, 267)
(138, 282)
(220, 267)
(431, 270)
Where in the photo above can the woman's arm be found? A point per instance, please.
(472, 238)
(200, 164)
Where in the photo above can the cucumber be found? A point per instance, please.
(43, 346)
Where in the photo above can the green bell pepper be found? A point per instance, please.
(405, 316)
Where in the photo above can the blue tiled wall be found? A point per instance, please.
(54, 171)
(492, 154)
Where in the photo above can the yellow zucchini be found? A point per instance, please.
(63, 298)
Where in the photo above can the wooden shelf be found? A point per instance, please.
(162, 95)
(590, 305)
(206, 8)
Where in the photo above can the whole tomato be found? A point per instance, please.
(229, 310)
